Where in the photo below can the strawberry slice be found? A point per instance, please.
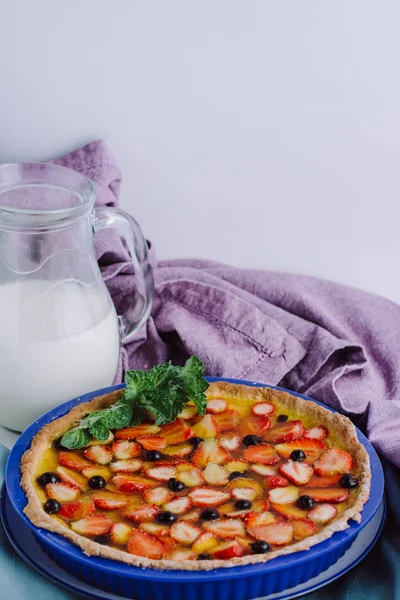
(181, 554)
(191, 478)
(312, 448)
(227, 550)
(262, 454)
(317, 433)
(204, 543)
(264, 470)
(126, 466)
(285, 432)
(106, 442)
(130, 433)
(78, 509)
(124, 449)
(323, 513)
(317, 481)
(152, 442)
(289, 511)
(303, 528)
(254, 519)
(63, 492)
(119, 533)
(102, 455)
(217, 405)
(246, 482)
(97, 470)
(179, 450)
(92, 525)
(106, 500)
(132, 483)
(209, 451)
(225, 528)
(185, 533)
(177, 432)
(334, 495)
(230, 441)
(237, 465)
(191, 517)
(143, 544)
(285, 495)
(72, 460)
(179, 505)
(73, 478)
(204, 496)
(216, 475)
(275, 534)
(188, 412)
(227, 420)
(158, 496)
(243, 493)
(276, 481)
(160, 473)
(297, 472)
(254, 425)
(263, 409)
(206, 428)
(140, 513)
(154, 529)
(334, 462)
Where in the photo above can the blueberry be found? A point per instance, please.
(203, 556)
(166, 517)
(97, 482)
(195, 441)
(259, 547)
(102, 539)
(175, 485)
(52, 506)
(235, 475)
(209, 514)
(153, 455)
(305, 502)
(46, 478)
(251, 440)
(282, 418)
(348, 481)
(242, 504)
(298, 455)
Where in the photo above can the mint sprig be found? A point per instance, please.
(162, 393)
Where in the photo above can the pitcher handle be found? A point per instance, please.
(139, 310)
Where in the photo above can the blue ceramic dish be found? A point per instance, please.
(237, 583)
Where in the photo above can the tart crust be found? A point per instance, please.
(339, 426)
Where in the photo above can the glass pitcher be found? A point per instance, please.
(59, 333)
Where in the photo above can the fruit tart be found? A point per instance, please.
(241, 475)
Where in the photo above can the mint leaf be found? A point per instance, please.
(75, 438)
(99, 430)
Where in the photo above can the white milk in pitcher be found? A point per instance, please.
(58, 340)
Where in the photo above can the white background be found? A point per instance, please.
(262, 133)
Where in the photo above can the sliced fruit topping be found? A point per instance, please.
(127, 466)
(180, 554)
(317, 481)
(72, 477)
(262, 454)
(227, 550)
(264, 470)
(303, 528)
(206, 428)
(326, 494)
(243, 494)
(254, 425)
(297, 472)
(152, 442)
(132, 483)
(254, 519)
(185, 533)
(204, 543)
(318, 433)
(312, 448)
(227, 420)
(192, 517)
(188, 412)
(246, 482)
(62, 492)
(216, 475)
(275, 534)
(97, 471)
(158, 496)
(119, 533)
(106, 500)
(162, 473)
(263, 409)
(323, 513)
(178, 506)
(143, 544)
(285, 432)
(217, 405)
(92, 525)
(73, 460)
(204, 496)
(140, 513)
(124, 449)
(155, 529)
(333, 462)
(179, 450)
(237, 465)
(102, 455)
(289, 511)
(177, 432)
(275, 481)
(131, 433)
(225, 528)
(285, 495)
(191, 478)
(209, 451)
(78, 509)
(230, 441)
(106, 442)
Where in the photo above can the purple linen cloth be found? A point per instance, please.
(337, 344)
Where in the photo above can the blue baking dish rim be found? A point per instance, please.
(19, 501)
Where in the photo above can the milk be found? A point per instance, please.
(58, 340)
